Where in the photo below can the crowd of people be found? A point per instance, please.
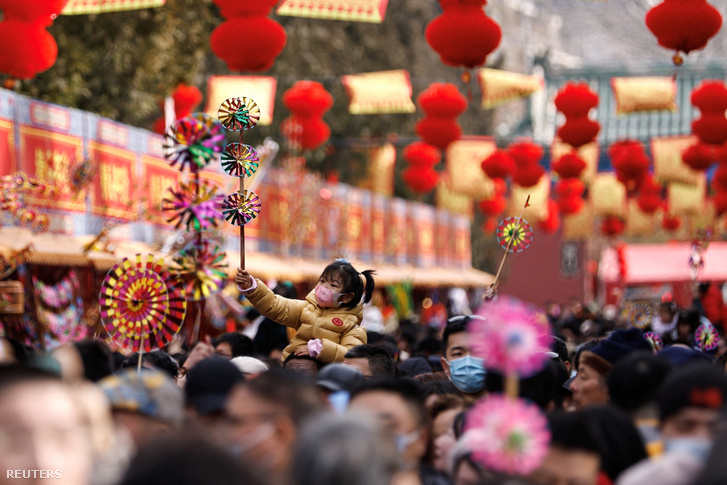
(359, 407)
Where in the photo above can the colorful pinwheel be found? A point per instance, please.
(239, 114)
(515, 233)
(195, 205)
(656, 343)
(142, 305)
(240, 160)
(202, 268)
(510, 337)
(507, 435)
(707, 337)
(640, 314)
(193, 142)
(241, 208)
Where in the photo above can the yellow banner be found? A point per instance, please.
(668, 163)
(380, 178)
(379, 92)
(634, 94)
(579, 226)
(687, 199)
(537, 209)
(352, 10)
(638, 223)
(464, 166)
(608, 195)
(499, 87)
(82, 7)
(452, 201)
(260, 89)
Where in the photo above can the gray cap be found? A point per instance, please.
(339, 377)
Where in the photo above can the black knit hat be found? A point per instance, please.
(697, 385)
(610, 350)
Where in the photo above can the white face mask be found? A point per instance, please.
(252, 438)
(698, 448)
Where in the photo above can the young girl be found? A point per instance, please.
(327, 322)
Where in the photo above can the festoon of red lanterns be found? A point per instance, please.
(463, 35)
(248, 40)
(683, 26)
(442, 103)
(28, 47)
(420, 175)
(710, 97)
(186, 98)
(575, 101)
(307, 101)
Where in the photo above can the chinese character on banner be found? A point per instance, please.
(112, 189)
(159, 177)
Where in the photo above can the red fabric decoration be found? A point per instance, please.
(463, 35)
(420, 179)
(313, 132)
(527, 157)
(699, 156)
(670, 223)
(307, 99)
(499, 165)
(683, 25)
(34, 49)
(575, 100)
(494, 206)
(579, 131)
(569, 195)
(528, 176)
(422, 154)
(186, 98)
(612, 226)
(630, 162)
(260, 49)
(649, 198)
(551, 223)
(442, 103)
(569, 165)
(439, 132)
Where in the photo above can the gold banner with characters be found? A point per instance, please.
(464, 166)
(380, 178)
(668, 163)
(499, 87)
(635, 94)
(82, 7)
(608, 195)
(379, 92)
(352, 10)
(112, 189)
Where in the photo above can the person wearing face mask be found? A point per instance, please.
(466, 371)
(691, 412)
(328, 321)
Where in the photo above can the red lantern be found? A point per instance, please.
(569, 165)
(699, 156)
(419, 153)
(490, 224)
(670, 223)
(527, 157)
(34, 49)
(649, 198)
(612, 226)
(551, 223)
(630, 162)
(569, 195)
(719, 180)
(307, 99)
(420, 179)
(499, 165)
(261, 48)
(463, 35)
(33, 11)
(575, 100)
(442, 100)
(305, 133)
(683, 25)
(493, 206)
(186, 98)
(579, 131)
(439, 132)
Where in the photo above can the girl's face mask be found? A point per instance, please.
(327, 298)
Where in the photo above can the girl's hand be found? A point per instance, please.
(301, 351)
(243, 279)
(490, 293)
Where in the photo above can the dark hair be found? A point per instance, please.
(14, 374)
(350, 280)
(570, 431)
(19, 350)
(186, 460)
(290, 390)
(406, 389)
(454, 325)
(636, 379)
(157, 358)
(380, 364)
(560, 348)
(445, 402)
(293, 356)
(618, 440)
(590, 345)
(689, 317)
(98, 361)
(437, 383)
(541, 388)
(240, 344)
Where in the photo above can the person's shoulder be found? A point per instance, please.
(431, 476)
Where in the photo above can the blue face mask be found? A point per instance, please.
(698, 448)
(468, 374)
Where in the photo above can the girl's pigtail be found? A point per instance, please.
(369, 288)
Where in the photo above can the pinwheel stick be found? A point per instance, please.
(509, 244)
(141, 353)
(242, 227)
(512, 386)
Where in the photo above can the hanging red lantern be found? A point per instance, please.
(493, 206)
(612, 226)
(670, 223)
(305, 133)
(499, 165)
(489, 226)
(34, 48)
(186, 98)
(419, 153)
(307, 99)
(551, 223)
(439, 132)
(579, 131)
(699, 156)
(683, 25)
(33, 11)
(569, 165)
(527, 156)
(463, 35)
(649, 198)
(570, 193)
(719, 179)
(261, 48)
(575, 100)
(420, 179)
(630, 162)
